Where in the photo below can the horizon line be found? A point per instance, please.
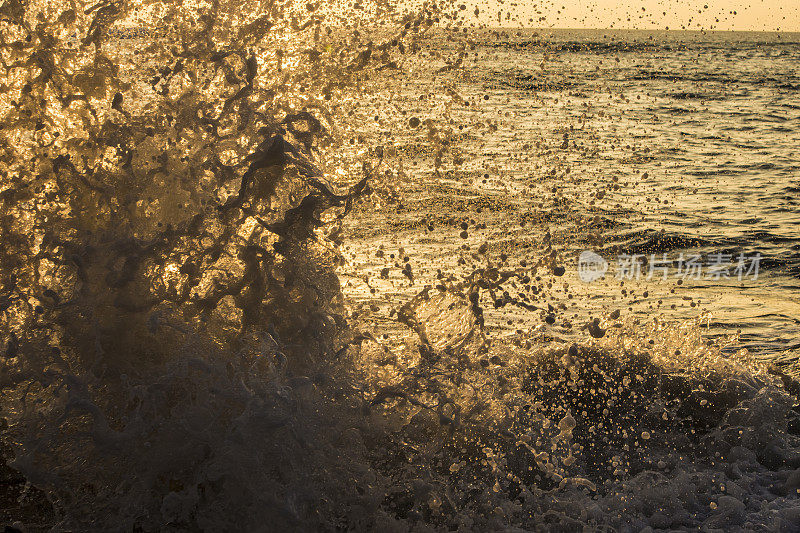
(573, 28)
(506, 28)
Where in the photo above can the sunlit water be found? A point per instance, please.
(690, 139)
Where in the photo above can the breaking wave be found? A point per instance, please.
(178, 355)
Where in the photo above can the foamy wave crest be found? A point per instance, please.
(170, 304)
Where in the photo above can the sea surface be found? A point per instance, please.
(642, 146)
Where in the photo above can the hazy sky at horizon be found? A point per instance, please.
(744, 15)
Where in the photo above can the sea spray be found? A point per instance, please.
(170, 307)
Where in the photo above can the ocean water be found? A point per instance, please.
(278, 267)
(690, 138)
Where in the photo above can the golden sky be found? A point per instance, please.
(744, 15)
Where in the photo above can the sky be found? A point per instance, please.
(741, 15)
